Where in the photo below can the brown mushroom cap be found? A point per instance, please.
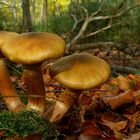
(6, 34)
(31, 48)
(80, 71)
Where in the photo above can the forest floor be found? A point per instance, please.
(110, 111)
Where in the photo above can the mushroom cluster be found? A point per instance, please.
(76, 72)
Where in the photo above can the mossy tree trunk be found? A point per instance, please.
(27, 22)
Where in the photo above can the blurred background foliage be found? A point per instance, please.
(56, 16)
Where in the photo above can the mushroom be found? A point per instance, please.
(7, 90)
(77, 72)
(31, 49)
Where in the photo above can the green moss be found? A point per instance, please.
(25, 123)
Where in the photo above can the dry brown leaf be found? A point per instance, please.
(109, 89)
(111, 117)
(122, 82)
(116, 101)
(133, 137)
(135, 81)
(130, 109)
(134, 119)
(84, 99)
(115, 126)
(90, 128)
(46, 77)
(114, 121)
(136, 95)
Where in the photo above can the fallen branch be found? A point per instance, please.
(90, 18)
(131, 49)
(126, 70)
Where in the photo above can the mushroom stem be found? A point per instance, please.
(35, 86)
(7, 90)
(63, 104)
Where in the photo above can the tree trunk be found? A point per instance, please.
(27, 24)
(43, 14)
(14, 12)
(57, 8)
(33, 10)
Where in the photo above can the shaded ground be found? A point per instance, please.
(108, 112)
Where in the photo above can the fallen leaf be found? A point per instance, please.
(123, 83)
(90, 128)
(135, 80)
(111, 116)
(133, 137)
(134, 119)
(116, 101)
(115, 126)
(136, 95)
(109, 89)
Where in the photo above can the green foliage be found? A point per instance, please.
(25, 123)
(1, 23)
(59, 19)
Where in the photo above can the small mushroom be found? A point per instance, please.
(7, 90)
(31, 49)
(77, 72)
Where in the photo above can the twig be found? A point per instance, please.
(101, 30)
(99, 10)
(13, 68)
(92, 18)
(76, 22)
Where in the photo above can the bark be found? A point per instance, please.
(43, 13)
(14, 11)
(27, 24)
(33, 10)
(131, 49)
